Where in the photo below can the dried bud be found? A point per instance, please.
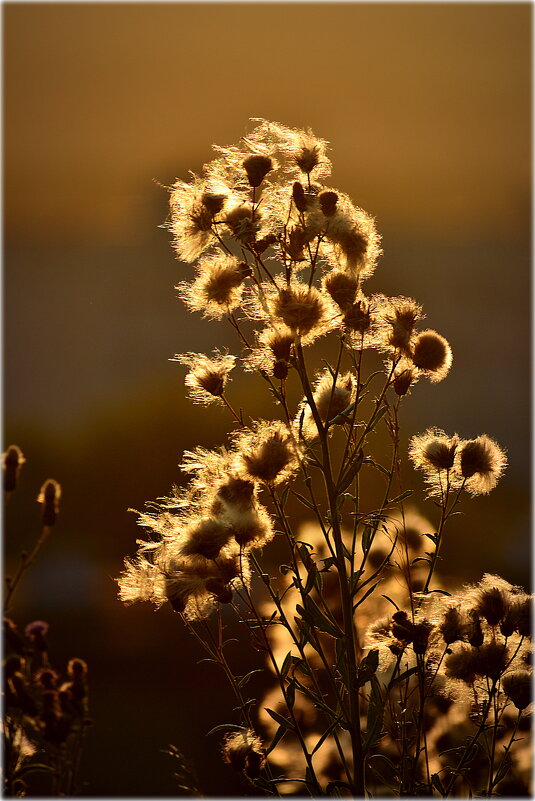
(12, 461)
(49, 498)
(403, 381)
(474, 630)
(257, 167)
(299, 197)
(37, 631)
(328, 201)
(517, 686)
(452, 628)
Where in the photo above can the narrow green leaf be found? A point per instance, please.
(401, 497)
(402, 676)
(286, 664)
(279, 734)
(280, 719)
(437, 784)
(225, 727)
(243, 681)
(303, 500)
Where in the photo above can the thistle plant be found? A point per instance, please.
(44, 715)
(383, 680)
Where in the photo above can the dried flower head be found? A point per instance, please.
(193, 208)
(12, 461)
(208, 376)
(492, 604)
(434, 453)
(462, 664)
(217, 289)
(257, 167)
(342, 287)
(404, 377)
(49, 497)
(398, 316)
(243, 751)
(481, 463)
(517, 685)
(267, 454)
(243, 225)
(302, 309)
(432, 354)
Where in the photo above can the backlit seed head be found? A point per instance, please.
(240, 221)
(49, 497)
(404, 377)
(206, 537)
(243, 751)
(328, 200)
(300, 308)
(474, 632)
(433, 450)
(208, 376)
(358, 317)
(517, 686)
(492, 659)
(482, 462)
(432, 354)
(452, 627)
(492, 604)
(213, 202)
(267, 454)
(257, 167)
(342, 287)
(462, 664)
(12, 461)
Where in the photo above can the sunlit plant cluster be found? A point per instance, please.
(383, 680)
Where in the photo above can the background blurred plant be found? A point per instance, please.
(386, 680)
(45, 715)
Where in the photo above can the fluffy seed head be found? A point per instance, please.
(206, 537)
(208, 376)
(462, 664)
(433, 450)
(268, 454)
(301, 309)
(399, 315)
(218, 286)
(342, 287)
(432, 354)
(243, 751)
(240, 221)
(482, 462)
(492, 604)
(517, 686)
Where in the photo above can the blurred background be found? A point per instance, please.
(427, 108)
